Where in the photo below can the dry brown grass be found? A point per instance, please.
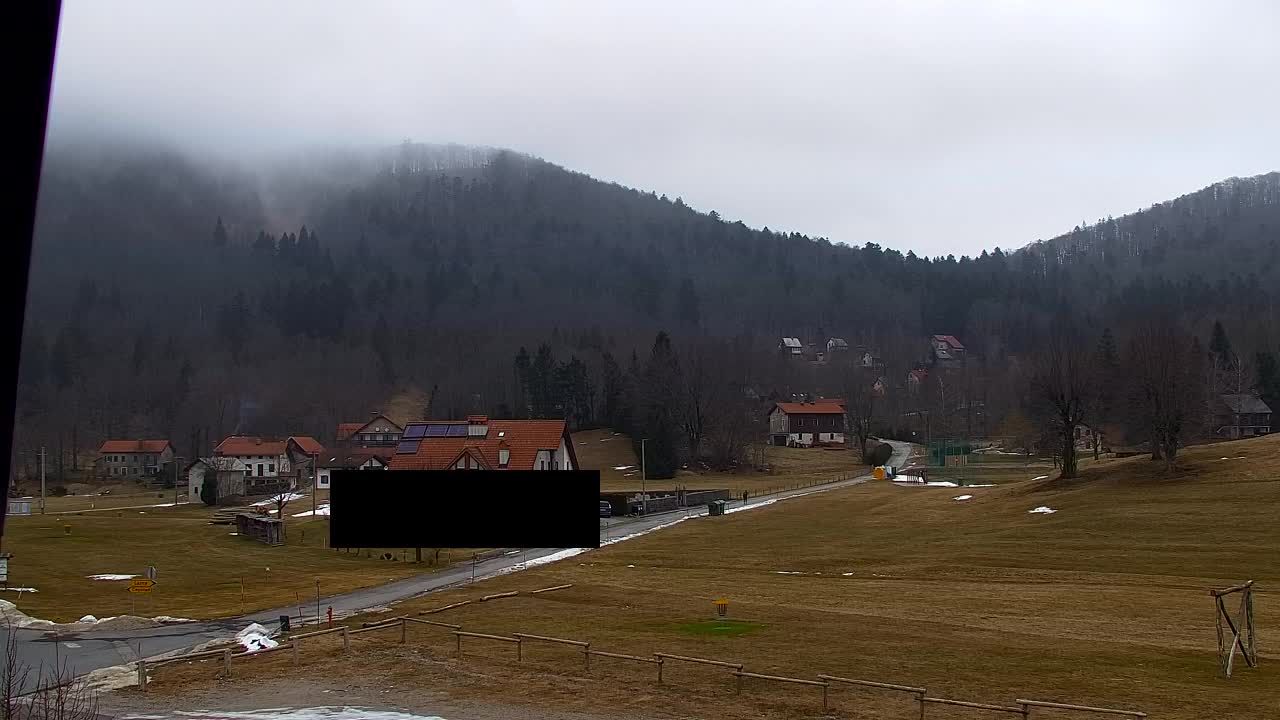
(791, 467)
(200, 567)
(1103, 602)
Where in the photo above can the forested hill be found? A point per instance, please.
(169, 293)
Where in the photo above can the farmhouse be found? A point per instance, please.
(837, 345)
(348, 461)
(228, 473)
(1241, 415)
(136, 459)
(805, 424)
(791, 347)
(380, 431)
(479, 443)
(946, 351)
(264, 458)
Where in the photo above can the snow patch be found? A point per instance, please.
(1041, 477)
(320, 510)
(962, 497)
(88, 619)
(628, 467)
(1043, 510)
(255, 638)
(788, 572)
(631, 566)
(846, 574)
(643, 532)
(111, 576)
(740, 508)
(288, 497)
(168, 619)
(20, 590)
(553, 557)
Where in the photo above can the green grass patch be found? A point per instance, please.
(719, 628)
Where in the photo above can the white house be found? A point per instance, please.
(479, 443)
(348, 461)
(210, 469)
(791, 346)
(263, 458)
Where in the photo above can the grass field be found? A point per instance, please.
(605, 451)
(200, 567)
(1103, 602)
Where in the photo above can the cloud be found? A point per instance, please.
(934, 126)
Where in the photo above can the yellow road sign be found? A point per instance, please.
(141, 585)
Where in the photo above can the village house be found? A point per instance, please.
(380, 431)
(916, 379)
(228, 473)
(946, 351)
(1241, 415)
(791, 347)
(479, 443)
(359, 460)
(837, 345)
(805, 424)
(134, 459)
(1086, 435)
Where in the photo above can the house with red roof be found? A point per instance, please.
(379, 431)
(135, 459)
(946, 351)
(354, 460)
(480, 443)
(805, 424)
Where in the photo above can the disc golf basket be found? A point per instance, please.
(722, 607)
(1241, 627)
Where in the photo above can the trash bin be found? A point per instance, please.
(716, 507)
(284, 623)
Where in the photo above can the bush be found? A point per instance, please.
(209, 492)
(879, 455)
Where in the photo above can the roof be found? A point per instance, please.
(822, 407)
(246, 445)
(307, 444)
(918, 374)
(1243, 403)
(351, 459)
(791, 342)
(838, 342)
(950, 340)
(220, 463)
(346, 430)
(133, 446)
(523, 438)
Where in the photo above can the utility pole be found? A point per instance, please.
(41, 479)
(175, 480)
(315, 487)
(644, 495)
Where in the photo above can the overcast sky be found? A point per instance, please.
(940, 127)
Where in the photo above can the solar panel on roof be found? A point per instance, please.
(457, 430)
(436, 430)
(408, 446)
(414, 431)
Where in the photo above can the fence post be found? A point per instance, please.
(519, 651)
(346, 641)
(659, 671)
(824, 696)
(226, 662)
(738, 676)
(142, 675)
(459, 639)
(586, 655)
(296, 659)
(920, 699)
(404, 629)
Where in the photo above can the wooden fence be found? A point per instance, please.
(659, 659)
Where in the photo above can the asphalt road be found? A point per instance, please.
(87, 651)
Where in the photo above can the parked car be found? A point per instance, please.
(606, 510)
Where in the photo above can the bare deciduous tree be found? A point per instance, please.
(1165, 369)
(1062, 386)
(861, 400)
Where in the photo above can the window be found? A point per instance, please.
(504, 457)
(271, 468)
(260, 473)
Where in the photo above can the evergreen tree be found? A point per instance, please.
(219, 234)
(614, 391)
(1220, 347)
(1268, 379)
(659, 422)
(523, 366)
(381, 342)
(209, 488)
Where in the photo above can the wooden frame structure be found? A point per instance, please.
(1243, 634)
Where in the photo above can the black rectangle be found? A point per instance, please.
(464, 509)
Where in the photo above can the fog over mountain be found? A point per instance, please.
(935, 127)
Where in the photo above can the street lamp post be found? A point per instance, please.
(644, 495)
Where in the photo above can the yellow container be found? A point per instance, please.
(879, 473)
